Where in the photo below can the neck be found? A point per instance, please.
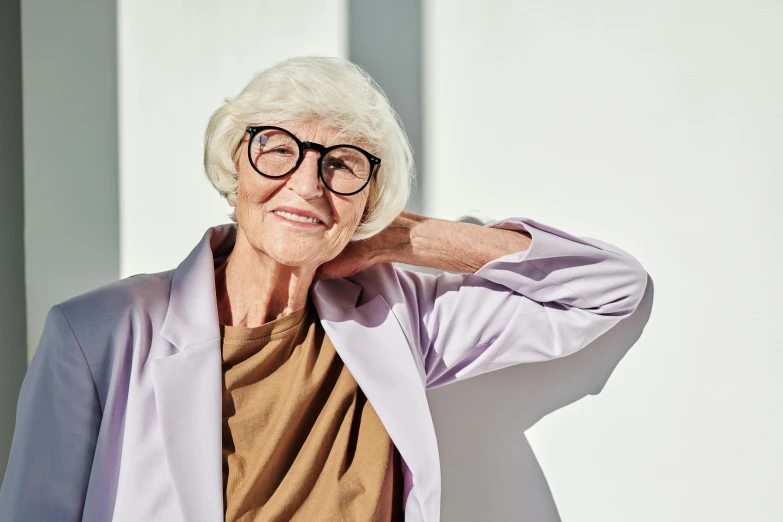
(253, 289)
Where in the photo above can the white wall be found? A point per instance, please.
(656, 126)
(177, 63)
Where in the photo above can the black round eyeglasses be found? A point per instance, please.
(344, 169)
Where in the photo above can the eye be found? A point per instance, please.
(279, 150)
(337, 164)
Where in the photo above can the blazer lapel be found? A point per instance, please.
(188, 396)
(373, 346)
(188, 383)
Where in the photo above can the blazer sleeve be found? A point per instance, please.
(57, 420)
(542, 303)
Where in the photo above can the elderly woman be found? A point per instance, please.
(279, 372)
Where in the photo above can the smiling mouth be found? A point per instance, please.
(296, 217)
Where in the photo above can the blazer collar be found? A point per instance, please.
(193, 290)
(188, 383)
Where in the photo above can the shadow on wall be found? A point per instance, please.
(489, 469)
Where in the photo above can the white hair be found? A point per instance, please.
(330, 91)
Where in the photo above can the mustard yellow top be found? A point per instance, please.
(300, 440)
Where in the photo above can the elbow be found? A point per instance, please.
(637, 288)
(622, 298)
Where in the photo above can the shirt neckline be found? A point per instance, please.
(277, 327)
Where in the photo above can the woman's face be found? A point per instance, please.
(261, 202)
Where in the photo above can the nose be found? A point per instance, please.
(304, 180)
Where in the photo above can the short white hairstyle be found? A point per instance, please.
(324, 90)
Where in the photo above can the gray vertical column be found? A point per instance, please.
(71, 203)
(13, 353)
(385, 39)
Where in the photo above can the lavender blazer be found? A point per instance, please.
(119, 415)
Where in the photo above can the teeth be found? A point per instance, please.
(296, 217)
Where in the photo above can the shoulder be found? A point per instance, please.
(141, 293)
(409, 291)
(381, 279)
(121, 313)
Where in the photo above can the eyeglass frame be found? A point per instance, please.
(375, 162)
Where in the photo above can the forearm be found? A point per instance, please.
(446, 245)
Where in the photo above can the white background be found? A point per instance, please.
(656, 126)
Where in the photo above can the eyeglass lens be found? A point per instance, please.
(275, 153)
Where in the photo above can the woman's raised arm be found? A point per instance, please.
(528, 292)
